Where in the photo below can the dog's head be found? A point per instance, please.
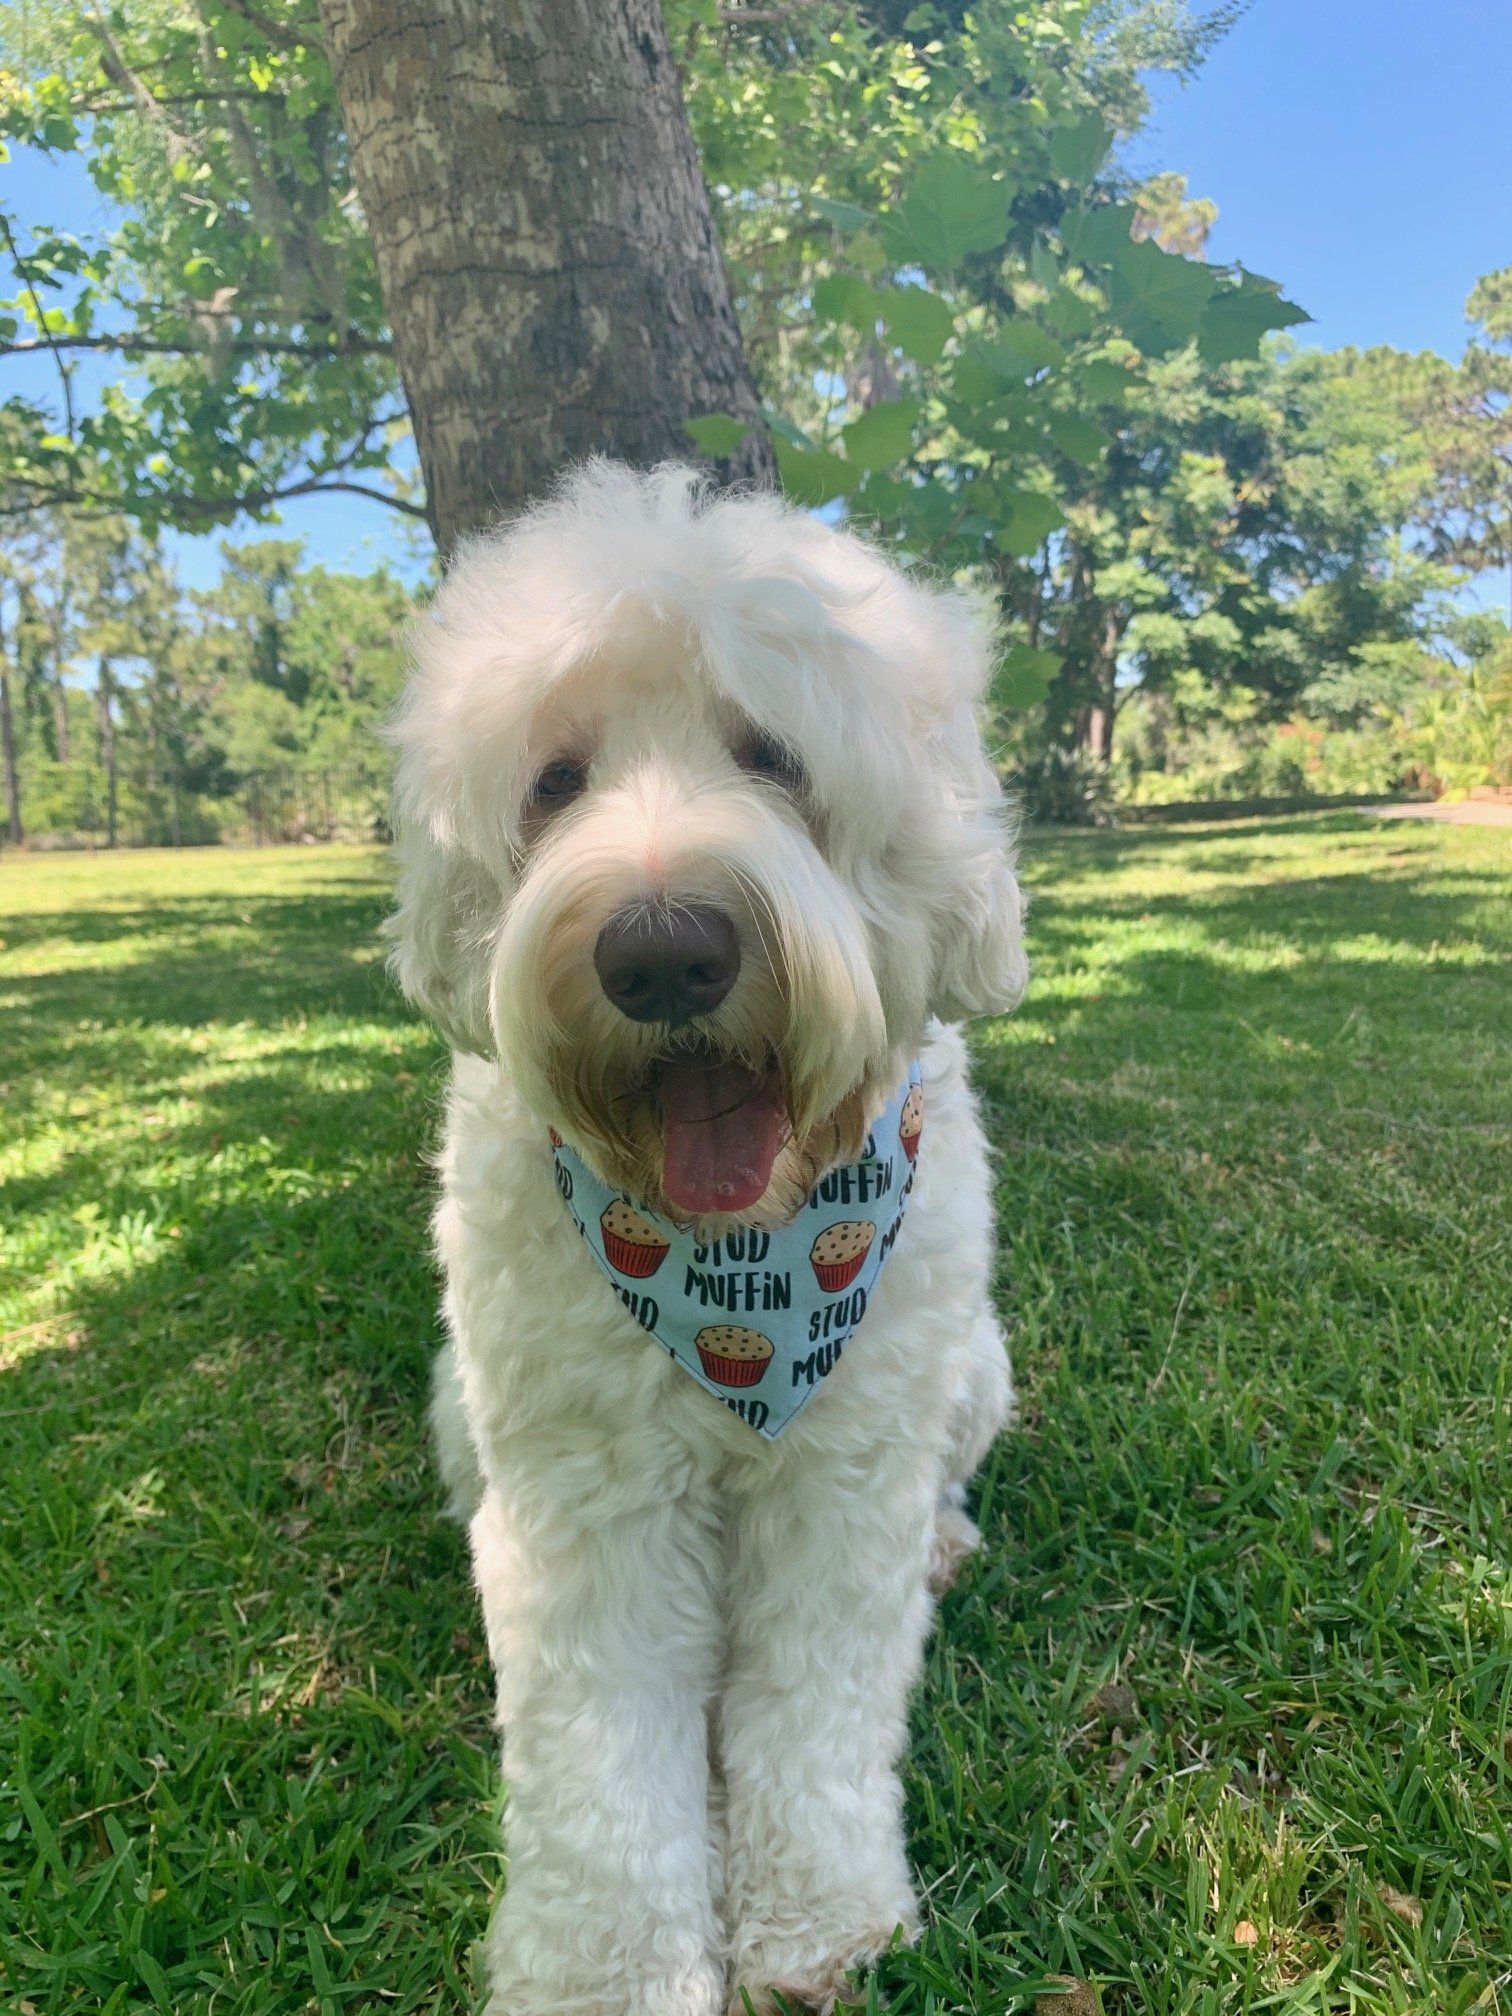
(696, 832)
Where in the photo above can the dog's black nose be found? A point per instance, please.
(667, 964)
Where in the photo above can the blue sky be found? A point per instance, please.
(1360, 152)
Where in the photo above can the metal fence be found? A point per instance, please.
(78, 805)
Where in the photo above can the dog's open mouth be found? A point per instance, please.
(722, 1126)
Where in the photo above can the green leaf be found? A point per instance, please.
(1069, 313)
(1082, 439)
(888, 496)
(814, 476)
(1102, 380)
(951, 208)
(1077, 151)
(1237, 318)
(919, 322)
(784, 429)
(988, 370)
(844, 216)
(717, 434)
(1028, 517)
(1159, 298)
(1044, 265)
(883, 435)
(1096, 236)
(847, 298)
(1024, 676)
(974, 385)
(1026, 348)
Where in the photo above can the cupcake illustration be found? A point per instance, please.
(733, 1356)
(836, 1255)
(632, 1244)
(911, 1122)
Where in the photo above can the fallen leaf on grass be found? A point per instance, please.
(1115, 1703)
(1080, 1998)
(1400, 1905)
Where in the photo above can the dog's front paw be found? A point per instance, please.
(956, 1539)
(808, 1967)
(695, 1991)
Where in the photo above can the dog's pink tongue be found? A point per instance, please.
(722, 1129)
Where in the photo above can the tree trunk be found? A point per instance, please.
(543, 239)
(1097, 735)
(104, 701)
(57, 632)
(8, 744)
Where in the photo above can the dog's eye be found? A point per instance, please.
(764, 756)
(559, 782)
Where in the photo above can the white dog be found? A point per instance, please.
(700, 855)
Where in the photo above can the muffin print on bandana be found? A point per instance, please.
(632, 1244)
(911, 1124)
(759, 1318)
(840, 1251)
(733, 1356)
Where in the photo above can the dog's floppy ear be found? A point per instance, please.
(447, 911)
(980, 965)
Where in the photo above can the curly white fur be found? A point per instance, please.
(704, 1642)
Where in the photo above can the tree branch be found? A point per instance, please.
(733, 17)
(277, 33)
(307, 272)
(252, 346)
(212, 509)
(114, 63)
(134, 103)
(47, 340)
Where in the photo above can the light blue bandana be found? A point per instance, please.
(758, 1318)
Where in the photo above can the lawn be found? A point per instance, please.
(1222, 1719)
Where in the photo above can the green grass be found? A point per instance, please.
(1235, 1670)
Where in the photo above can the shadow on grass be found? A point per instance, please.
(242, 1629)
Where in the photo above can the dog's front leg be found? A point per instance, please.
(603, 1635)
(829, 1609)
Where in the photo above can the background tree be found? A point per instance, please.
(543, 238)
(14, 828)
(1465, 417)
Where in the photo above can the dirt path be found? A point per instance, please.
(1464, 812)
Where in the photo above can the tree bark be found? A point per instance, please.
(104, 702)
(60, 717)
(543, 239)
(57, 625)
(1097, 737)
